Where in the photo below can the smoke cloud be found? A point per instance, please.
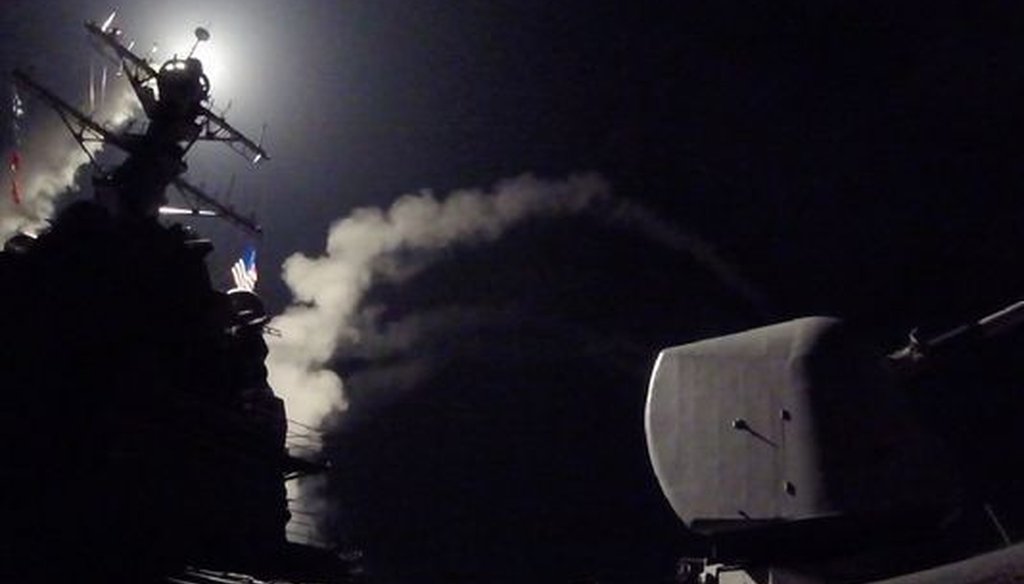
(372, 246)
(50, 160)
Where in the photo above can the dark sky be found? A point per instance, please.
(862, 161)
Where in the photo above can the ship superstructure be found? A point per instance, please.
(142, 438)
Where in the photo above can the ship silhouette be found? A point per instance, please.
(142, 440)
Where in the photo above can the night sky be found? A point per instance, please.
(862, 162)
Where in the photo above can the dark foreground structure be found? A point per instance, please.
(141, 439)
(140, 433)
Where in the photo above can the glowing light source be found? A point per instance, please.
(215, 57)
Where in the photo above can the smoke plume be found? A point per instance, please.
(50, 160)
(372, 245)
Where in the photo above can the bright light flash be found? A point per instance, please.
(216, 59)
(174, 211)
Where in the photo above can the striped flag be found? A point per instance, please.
(244, 271)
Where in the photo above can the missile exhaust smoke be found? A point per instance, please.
(50, 160)
(373, 245)
(364, 248)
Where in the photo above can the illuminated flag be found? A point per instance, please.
(244, 271)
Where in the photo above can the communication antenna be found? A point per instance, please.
(202, 35)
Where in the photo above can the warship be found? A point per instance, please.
(144, 444)
(142, 440)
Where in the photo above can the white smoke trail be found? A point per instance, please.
(360, 250)
(650, 225)
(373, 245)
(50, 161)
